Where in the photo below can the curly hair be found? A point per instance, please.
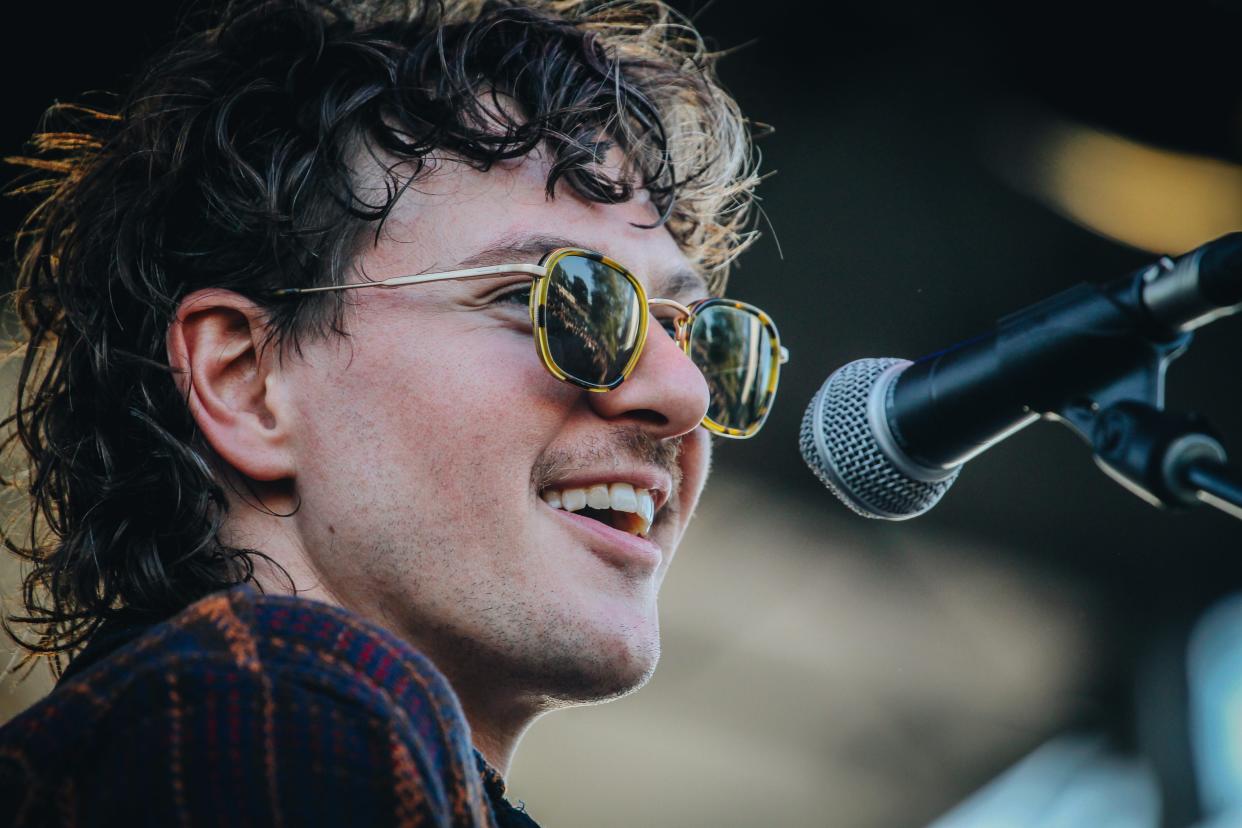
(229, 164)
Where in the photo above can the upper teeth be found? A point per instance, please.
(619, 497)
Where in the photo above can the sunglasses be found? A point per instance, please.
(590, 318)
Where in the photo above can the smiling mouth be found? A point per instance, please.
(618, 505)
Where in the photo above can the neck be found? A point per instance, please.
(496, 724)
(495, 747)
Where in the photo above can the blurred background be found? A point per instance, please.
(931, 171)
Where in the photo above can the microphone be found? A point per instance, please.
(890, 436)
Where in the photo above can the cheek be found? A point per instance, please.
(490, 389)
(453, 406)
(696, 463)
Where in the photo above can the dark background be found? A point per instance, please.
(889, 232)
(898, 238)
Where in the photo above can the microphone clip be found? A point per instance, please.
(1170, 459)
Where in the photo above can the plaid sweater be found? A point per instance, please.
(248, 710)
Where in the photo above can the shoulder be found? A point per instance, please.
(291, 701)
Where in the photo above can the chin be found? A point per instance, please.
(610, 670)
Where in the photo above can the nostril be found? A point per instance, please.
(648, 415)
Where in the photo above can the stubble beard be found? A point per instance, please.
(486, 636)
(504, 643)
(516, 657)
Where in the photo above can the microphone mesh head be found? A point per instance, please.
(840, 445)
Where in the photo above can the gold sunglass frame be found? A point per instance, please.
(540, 284)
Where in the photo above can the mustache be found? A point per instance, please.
(622, 444)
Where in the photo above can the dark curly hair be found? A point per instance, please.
(228, 164)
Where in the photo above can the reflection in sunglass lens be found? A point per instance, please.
(593, 320)
(734, 350)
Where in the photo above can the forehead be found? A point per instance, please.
(456, 217)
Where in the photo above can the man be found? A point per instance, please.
(449, 498)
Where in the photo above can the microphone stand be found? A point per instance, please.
(1167, 458)
(1218, 485)
(1170, 459)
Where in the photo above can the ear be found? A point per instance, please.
(231, 384)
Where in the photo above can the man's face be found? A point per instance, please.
(425, 439)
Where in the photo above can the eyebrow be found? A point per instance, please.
(509, 250)
(682, 283)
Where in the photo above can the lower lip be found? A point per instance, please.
(614, 547)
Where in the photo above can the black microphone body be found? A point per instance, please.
(950, 406)
(1066, 358)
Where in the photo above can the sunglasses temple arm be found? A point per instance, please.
(534, 271)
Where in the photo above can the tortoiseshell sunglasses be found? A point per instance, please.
(590, 317)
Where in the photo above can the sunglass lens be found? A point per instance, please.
(593, 320)
(735, 350)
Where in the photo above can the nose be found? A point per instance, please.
(666, 394)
